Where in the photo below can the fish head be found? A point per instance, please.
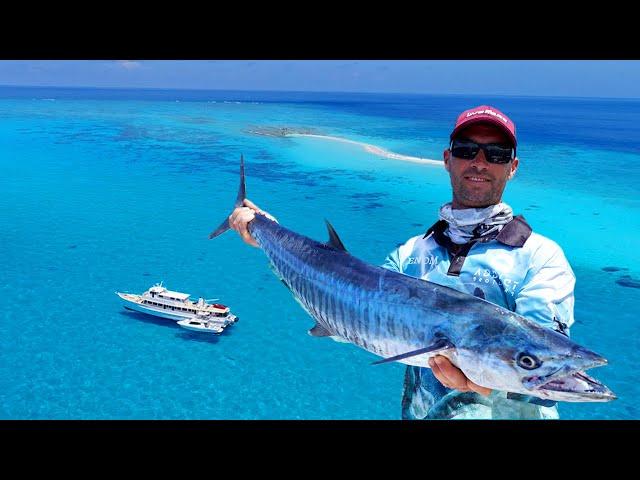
(530, 359)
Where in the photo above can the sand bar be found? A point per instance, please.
(372, 149)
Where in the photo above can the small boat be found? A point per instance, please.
(160, 302)
(199, 325)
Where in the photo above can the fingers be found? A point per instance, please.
(447, 374)
(241, 216)
(238, 221)
(248, 203)
(452, 377)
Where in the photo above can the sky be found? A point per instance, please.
(579, 78)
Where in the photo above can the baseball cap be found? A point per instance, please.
(486, 114)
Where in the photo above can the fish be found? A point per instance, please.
(409, 320)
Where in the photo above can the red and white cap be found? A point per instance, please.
(486, 114)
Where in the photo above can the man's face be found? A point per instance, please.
(477, 183)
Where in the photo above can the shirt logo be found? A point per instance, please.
(430, 260)
(487, 276)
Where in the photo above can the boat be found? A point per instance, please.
(197, 324)
(224, 321)
(160, 302)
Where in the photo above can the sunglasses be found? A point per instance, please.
(493, 152)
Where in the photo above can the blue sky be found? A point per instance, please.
(588, 78)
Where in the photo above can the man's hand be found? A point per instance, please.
(452, 377)
(241, 216)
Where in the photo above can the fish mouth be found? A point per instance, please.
(572, 384)
(577, 386)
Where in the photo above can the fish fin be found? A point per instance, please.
(334, 240)
(478, 293)
(242, 194)
(438, 345)
(319, 331)
(530, 399)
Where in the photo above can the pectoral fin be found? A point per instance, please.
(438, 345)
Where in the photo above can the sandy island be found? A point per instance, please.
(307, 132)
(372, 149)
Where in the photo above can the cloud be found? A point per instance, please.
(129, 64)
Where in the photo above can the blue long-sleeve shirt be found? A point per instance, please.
(519, 270)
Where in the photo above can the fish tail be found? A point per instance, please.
(242, 194)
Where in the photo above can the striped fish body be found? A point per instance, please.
(384, 312)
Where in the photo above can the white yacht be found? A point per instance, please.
(160, 302)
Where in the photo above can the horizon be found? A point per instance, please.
(505, 78)
(417, 94)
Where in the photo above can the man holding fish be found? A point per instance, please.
(480, 248)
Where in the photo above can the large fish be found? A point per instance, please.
(406, 319)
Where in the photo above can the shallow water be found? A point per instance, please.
(105, 192)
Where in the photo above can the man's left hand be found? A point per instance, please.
(452, 377)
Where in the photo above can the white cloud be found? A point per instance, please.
(129, 64)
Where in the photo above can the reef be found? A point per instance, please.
(282, 131)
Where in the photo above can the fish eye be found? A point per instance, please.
(528, 361)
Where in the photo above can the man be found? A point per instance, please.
(480, 248)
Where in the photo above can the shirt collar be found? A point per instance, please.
(515, 233)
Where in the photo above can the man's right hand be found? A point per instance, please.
(241, 216)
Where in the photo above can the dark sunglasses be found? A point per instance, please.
(493, 152)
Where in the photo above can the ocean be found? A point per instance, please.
(116, 190)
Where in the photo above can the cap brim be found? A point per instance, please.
(494, 123)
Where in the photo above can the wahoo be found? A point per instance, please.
(408, 320)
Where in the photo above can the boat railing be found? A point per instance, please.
(189, 304)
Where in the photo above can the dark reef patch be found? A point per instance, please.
(368, 196)
(628, 282)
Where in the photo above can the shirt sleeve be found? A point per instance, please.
(547, 295)
(392, 262)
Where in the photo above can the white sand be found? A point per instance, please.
(372, 149)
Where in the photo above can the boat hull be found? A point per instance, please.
(156, 312)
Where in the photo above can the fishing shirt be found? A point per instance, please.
(517, 269)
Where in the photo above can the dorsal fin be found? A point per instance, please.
(334, 240)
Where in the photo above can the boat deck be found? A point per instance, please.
(139, 299)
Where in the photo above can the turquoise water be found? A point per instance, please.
(105, 191)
